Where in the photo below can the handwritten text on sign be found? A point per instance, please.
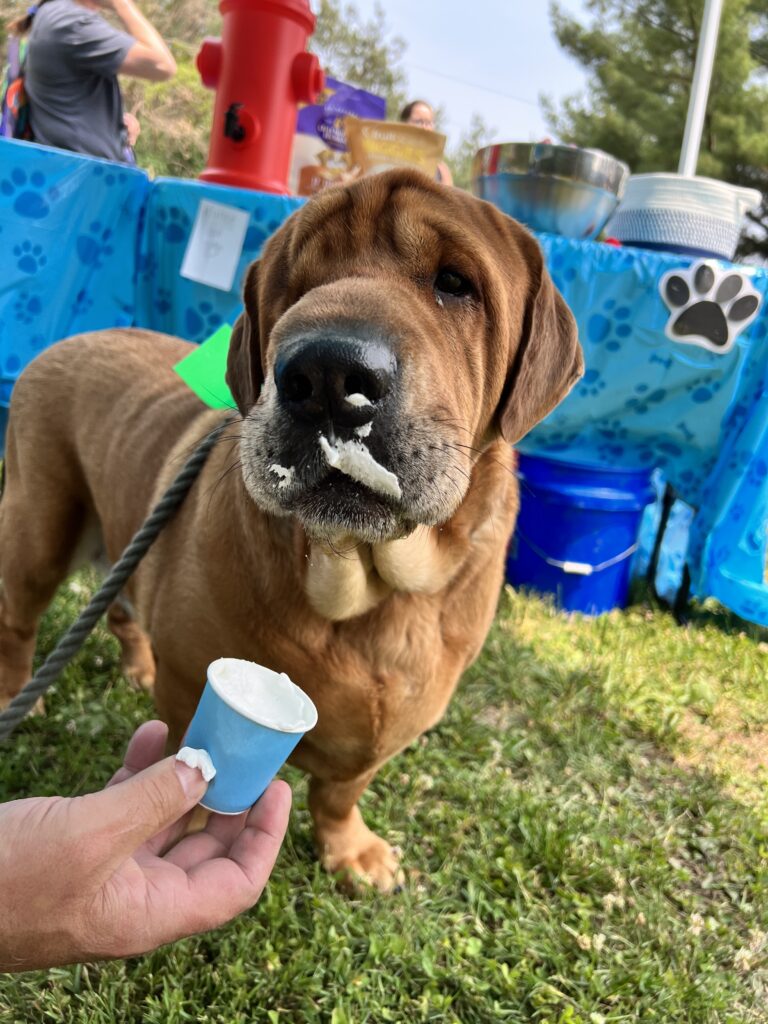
(215, 245)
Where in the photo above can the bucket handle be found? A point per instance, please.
(576, 568)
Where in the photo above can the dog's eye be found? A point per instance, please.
(449, 282)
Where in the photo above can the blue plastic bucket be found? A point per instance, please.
(577, 531)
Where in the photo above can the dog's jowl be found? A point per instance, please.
(350, 526)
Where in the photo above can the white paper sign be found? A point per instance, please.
(215, 245)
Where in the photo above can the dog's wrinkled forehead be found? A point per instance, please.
(399, 222)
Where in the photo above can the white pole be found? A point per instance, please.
(702, 75)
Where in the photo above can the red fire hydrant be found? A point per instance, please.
(261, 71)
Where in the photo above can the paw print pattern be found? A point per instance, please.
(591, 384)
(703, 390)
(27, 307)
(560, 441)
(91, 247)
(613, 430)
(562, 269)
(109, 175)
(610, 451)
(163, 301)
(199, 323)
(647, 399)
(708, 306)
(29, 257)
(147, 266)
(610, 326)
(172, 223)
(26, 192)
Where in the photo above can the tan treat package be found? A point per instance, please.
(380, 145)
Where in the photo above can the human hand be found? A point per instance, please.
(132, 128)
(108, 874)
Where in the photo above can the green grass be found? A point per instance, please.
(588, 824)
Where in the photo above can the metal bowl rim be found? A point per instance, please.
(616, 170)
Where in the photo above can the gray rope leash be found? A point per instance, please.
(76, 635)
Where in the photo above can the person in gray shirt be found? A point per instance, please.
(73, 59)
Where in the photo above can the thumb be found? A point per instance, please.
(131, 812)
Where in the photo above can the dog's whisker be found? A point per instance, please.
(220, 479)
(229, 437)
(468, 447)
(495, 461)
(453, 447)
(461, 469)
(453, 423)
(459, 490)
(223, 475)
(188, 450)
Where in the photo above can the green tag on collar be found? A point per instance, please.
(204, 369)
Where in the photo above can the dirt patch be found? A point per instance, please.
(500, 717)
(738, 754)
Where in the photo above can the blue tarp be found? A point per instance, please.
(644, 400)
(68, 233)
(86, 244)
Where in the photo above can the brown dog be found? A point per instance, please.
(398, 335)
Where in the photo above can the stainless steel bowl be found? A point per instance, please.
(561, 189)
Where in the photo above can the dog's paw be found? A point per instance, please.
(140, 676)
(137, 662)
(375, 864)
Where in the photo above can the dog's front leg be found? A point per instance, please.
(341, 580)
(344, 842)
(136, 659)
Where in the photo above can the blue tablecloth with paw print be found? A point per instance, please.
(68, 235)
(697, 415)
(166, 301)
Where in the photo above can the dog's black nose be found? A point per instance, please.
(335, 381)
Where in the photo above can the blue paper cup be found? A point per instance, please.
(249, 719)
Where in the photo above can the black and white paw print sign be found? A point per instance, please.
(709, 306)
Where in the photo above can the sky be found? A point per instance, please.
(493, 57)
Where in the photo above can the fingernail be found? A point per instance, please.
(193, 767)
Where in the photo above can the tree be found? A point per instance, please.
(359, 52)
(461, 157)
(175, 119)
(640, 56)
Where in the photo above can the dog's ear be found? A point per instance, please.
(548, 360)
(244, 373)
